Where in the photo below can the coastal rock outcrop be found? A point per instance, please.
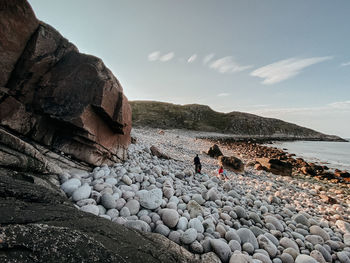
(232, 163)
(56, 96)
(214, 151)
(275, 166)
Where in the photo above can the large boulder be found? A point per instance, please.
(276, 166)
(214, 151)
(231, 163)
(57, 96)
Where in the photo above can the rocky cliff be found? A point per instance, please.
(203, 118)
(57, 96)
(60, 112)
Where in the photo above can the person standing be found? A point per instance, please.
(197, 164)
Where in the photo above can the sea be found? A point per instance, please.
(336, 155)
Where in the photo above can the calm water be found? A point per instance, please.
(333, 154)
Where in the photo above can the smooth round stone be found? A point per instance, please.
(146, 218)
(111, 181)
(272, 238)
(133, 206)
(171, 205)
(221, 249)
(221, 230)
(194, 209)
(212, 194)
(101, 209)
(88, 201)
(287, 242)
(107, 190)
(234, 245)
(182, 223)
(150, 199)
(316, 230)
(240, 258)
(175, 236)
(273, 220)
(108, 201)
(170, 217)
(248, 247)
(119, 204)
(232, 235)
(70, 186)
(347, 239)
(198, 198)
(326, 255)
(276, 260)
(174, 199)
(124, 212)
(301, 219)
(318, 256)
(83, 192)
(263, 258)
(189, 236)
(162, 229)
(247, 235)
(240, 211)
(255, 217)
(267, 245)
(343, 257)
(196, 247)
(292, 252)
(138, 224)
(128, 195)
(126, 179)
(305, 259)
(196, 224)
(93, 209)
(287, 258)
(112, 213)
(314, 239)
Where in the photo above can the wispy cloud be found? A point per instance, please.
(154, 56)
(223, 94)
(157, 56)
(227, 65)
(167, 57)
(345, 64)
(340, 105)
(192, 58)
(207, 58)
(285, 69)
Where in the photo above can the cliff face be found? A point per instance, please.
(203, 118)
(54, 95)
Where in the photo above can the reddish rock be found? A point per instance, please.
(59, 97)
(232, 163)
(328, 199)
(276, 166)
(214, 151)
(155, 151)
(17, 24)
(258, 167)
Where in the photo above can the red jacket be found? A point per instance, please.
(221, 170)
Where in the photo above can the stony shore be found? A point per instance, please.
(255, 216)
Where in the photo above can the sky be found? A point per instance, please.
(282, 59)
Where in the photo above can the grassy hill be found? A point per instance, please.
(203, 118)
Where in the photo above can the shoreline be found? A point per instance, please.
(250, 151)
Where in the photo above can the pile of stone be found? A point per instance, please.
(254, 217)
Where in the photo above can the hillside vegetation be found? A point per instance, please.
(203, 118)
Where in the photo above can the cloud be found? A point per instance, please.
(340, 105)
(167, 57)
(345, 64)
(192, 58)
(285, 69)
(154, 56)
(223, 94)
(227, 65)
(207, 58)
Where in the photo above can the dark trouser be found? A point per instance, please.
(197, 168)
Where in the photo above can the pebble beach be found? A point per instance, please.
(254, 216)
